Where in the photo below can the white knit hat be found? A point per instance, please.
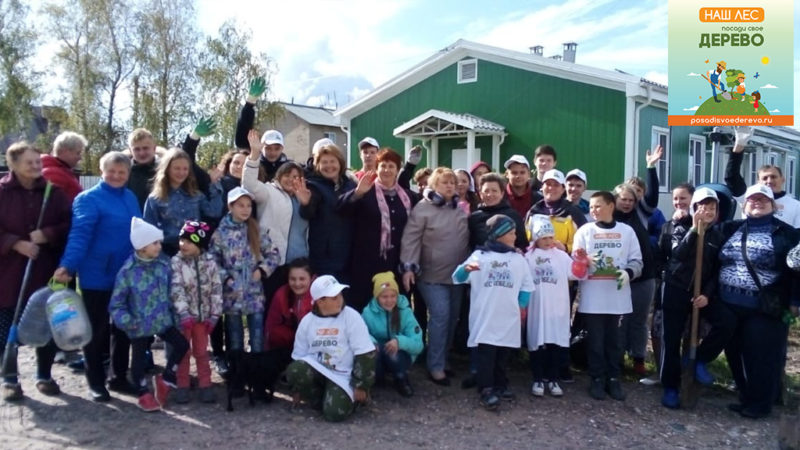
(541, 227)
(143, 233)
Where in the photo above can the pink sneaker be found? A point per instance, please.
(148, 403)
(162, 390)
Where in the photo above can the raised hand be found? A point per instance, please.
(301, 191)
(205, 127)
(365, 183)
(653, 157)
(415, 154)
(254, 139)
(743, 135)
(257, 87)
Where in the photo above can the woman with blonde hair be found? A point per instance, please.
(176, 198)
(435, 241)
(329, 233)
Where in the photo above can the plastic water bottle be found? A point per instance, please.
(34, 328)
(68, 320)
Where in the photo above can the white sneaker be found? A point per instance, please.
(537, 389)
(555, 389)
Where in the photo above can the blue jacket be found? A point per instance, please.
(330, 234)
(170, 215)
(99, 239)
(378, 320)
(140, 304)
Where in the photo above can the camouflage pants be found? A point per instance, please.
(319, 391)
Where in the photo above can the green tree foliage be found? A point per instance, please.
(226, 67)
(731, 78)
(18, 81)
(165, 91)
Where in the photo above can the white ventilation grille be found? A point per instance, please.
(468, 71)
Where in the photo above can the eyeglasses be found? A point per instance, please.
(758, 199)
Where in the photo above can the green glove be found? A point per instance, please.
(205, 127)
(257, 87)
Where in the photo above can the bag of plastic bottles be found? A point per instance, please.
(68, 320)
(34, 328)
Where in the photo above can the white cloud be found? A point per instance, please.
(693, 108)
(768, 86)
(357, 93)
(319, 40)
(776, 110)
(658, 77)
(692, 74)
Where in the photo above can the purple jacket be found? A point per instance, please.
(19, 211)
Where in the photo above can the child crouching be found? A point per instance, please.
(140, 306)
(501, 284)
(197, 299)
(334, 357)
(394, 330)
(549, 308)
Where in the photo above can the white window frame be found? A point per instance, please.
(694, 140)
(330, 135)
(790, 173)
(772, 158)
(751, 177)
(664, 163)
(460, 77)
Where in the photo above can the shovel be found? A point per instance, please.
(725, 94)
(9, 365)
(689, 386)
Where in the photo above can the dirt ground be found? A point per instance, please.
(436, 417)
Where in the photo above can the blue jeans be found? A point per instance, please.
(234, 331)
(444, 305)
(396, 364)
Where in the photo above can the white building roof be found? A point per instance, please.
(435, 122)
(314, 115)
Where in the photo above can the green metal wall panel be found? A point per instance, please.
(586, 124)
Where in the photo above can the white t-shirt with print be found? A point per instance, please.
(330, 344)
(494, 316)
(548, 310)
(611, 249)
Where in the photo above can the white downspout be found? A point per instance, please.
(346, 130)
(636, 121)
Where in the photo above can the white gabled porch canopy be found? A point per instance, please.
(434, 125)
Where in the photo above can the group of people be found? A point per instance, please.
(344, 278)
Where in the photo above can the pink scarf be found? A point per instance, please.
(386, 222)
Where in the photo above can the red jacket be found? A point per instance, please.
(61, 174)
(19, 211)
(283, 318)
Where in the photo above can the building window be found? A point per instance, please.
(468, 71)
(772, 159)
(697, 152)
(752, 168)
(790, 175)
(330, 135)
(660, 136)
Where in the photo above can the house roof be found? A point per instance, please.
(441, 122)
(314, 115)
(632, 85)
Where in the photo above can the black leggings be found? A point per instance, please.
(139, 347)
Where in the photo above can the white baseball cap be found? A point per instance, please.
(326, 286)
(272, 137)
(701, 194)
(577, 173)
(368, 141)
(517, 159)
(759, 189)
(319, 144)
(554, 174)
(237, 192)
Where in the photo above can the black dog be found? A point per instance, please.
(255, 372)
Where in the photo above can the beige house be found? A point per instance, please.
(303, 125)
